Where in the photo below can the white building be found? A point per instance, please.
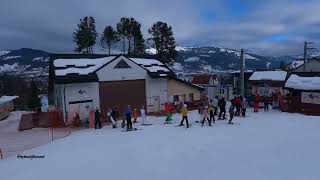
(113, 81)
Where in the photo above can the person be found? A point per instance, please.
(135, 115)
(113, 117)
(231, 111)
(244, 107)
(237, 103)
(184, 113)
(211, 113)
(128, 117)
(97, 122)
(266, 103)
(222, 107)
(143, 115)
(256, 103)
(205, 115)
(215, 105)
(168, 108)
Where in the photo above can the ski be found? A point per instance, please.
(134, 129)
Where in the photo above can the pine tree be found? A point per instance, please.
(164, 41)
(33, 100)
(138, 41)
(108, 38)
(122, 29)
(85, 35)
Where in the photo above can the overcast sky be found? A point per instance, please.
(272, 27)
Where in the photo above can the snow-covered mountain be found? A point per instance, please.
(24, 61)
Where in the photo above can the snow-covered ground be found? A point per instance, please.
(265, 145)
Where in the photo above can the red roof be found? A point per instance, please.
(203, 79)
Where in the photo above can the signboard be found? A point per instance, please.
(310, 97)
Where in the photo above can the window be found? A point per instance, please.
(122, 65)
(191, 97)
(184, 96)
(176, 98)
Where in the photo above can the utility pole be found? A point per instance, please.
(305, 51)
(242, 74)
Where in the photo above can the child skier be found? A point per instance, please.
(113, 117)
(168, 109)
(222, 105)
(97, 122)
(205, 115)
(135, 115)
(244, 107)
(231, 112)
(128, 118)
(184, 113)
(143, 115)
(211, 113)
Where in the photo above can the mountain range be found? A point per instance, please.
(189, 60)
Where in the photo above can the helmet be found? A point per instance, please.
(185, 105)
(206, 107)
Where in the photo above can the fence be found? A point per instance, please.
(23, 131)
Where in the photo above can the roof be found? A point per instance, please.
(77, 69)
(189, 84)
(203, 79)
(303, 83)
(79, 66)
(295, 64)
(268, 76)
(4, 99)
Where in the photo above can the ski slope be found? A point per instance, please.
(265, 145)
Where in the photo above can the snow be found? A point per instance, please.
(10, 57)
(177, 66)
(303, 83)
(212, 51)
(4, 52)
(155, 64)
(151, 51)
(237, 53)
(268, 75)
(266, 145)
(80, 65)
(9, 67)
(40, 59)
(180, 48)
(7, 98)
(207, 68)
(296, 64)
(192, 59)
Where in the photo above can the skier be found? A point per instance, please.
(222, 106)
(135, 115)
(256, 103)
(237, 103)
(143, 115)
(97, 122)
(215, 105)
(266, 103)
(128, 118)
(205, 115)
(244, 107)
(211, 113)
(113, 117)
(231, 112)
(184, 113)
(168, 109)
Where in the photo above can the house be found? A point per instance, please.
(312, 65)
(82, 83)
(183, 91)
(304, 91)
(267, 82)
(236, 81)
(6, 105)
(213, 87)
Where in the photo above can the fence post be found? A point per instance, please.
(1, 154)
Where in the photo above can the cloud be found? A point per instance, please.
(48, 25)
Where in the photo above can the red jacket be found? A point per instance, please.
(237, 101)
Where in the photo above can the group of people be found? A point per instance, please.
(112, 114)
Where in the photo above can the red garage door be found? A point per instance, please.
(121, 93)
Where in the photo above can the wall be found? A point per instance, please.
(178, 88)
(157, 93)
(311, 66)
(77, 92)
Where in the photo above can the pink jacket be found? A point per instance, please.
(205, 113)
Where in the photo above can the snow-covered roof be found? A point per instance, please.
(7, 98)
(269, 76)
(296, 64)
(79, 66)
(151, 65)
(303, 83)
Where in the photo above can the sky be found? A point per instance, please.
(272, 28)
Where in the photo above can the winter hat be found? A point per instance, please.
(206, 107)
(185, 105)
